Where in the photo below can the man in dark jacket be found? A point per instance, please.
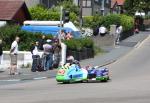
(42, 42)
(1, 51)
(56, 53)
(35, 56)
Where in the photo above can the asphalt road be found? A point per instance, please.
(130, 84)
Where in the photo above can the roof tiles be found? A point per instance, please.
(8, 8)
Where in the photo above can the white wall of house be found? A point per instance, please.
(87, 11)
(3, 23)
(31, 3)
(76, 2)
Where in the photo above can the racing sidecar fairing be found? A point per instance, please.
(74, 73)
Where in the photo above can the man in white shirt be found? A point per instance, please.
(102, 31)
(119, 30)
(13, 56)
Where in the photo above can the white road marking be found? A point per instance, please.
(39, 78)
(11, 80)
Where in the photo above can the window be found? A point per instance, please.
(87, 3)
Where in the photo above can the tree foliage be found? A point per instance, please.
(40, 12)
(131, 6)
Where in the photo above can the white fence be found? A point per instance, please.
(24, 58)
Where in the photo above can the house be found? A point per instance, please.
(14, 11)
(92, 7)
(117, 6)
(46, 3)
(89, 7)
(31, 3)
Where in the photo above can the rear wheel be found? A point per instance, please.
(66, 82)
(105, 79)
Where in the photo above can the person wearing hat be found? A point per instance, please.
(48, 55)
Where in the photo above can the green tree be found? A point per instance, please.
(40, 12)
(70, 6)
(131, 6)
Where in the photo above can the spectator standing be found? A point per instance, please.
(1, 51)
(62, 35)
(35, 56)
(48, 55)
(69, 36)
(96, 31)
(56, 53)
(119, 29)
(102, 30)
(42, 42)
(13, 56)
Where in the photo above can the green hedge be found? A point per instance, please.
(79, 44)
(111, 19)
(41, 13)
(92, 21)
(127, 22)
(8, 34)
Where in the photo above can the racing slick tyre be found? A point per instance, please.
(66, 82)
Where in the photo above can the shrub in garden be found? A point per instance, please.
(127, 22)
(87, 42)
(79, 44)
(111, 19)
(88, 21)
(92, 21)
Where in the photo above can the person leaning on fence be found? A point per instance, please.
(13, 56)
(1, 51)
(48, 55)
(41, 42)
(35, 56)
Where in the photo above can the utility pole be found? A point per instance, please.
(61, 16)
(80, 18)
(102, 7)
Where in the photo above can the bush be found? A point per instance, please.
(93, 21)
(71, 45)
(87, 42)
(111, 19)
(70, 6)
(88, 21)
(9, 32)
(127, 22)
(79, 44)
